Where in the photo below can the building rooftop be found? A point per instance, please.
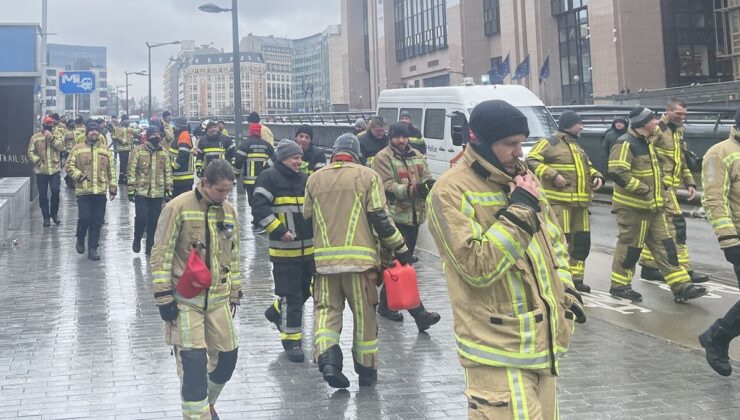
(245, 57)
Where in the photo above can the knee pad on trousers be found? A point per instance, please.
(194, 374)
(679, 222)
(670, 249)
(633, 254)
(581, 245)
(225, 367)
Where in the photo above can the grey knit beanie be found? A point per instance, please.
(347, 143)
(287, 148)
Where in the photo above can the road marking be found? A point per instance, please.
(714, 290)
(604, 300)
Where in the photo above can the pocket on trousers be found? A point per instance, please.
(371, 290)
(286, 280)
(487, 404)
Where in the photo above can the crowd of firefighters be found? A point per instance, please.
(513, 234)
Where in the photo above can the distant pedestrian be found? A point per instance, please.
(619, 127)
(250, 160)
(360, 126)
(168, 132)
(265, 133)
(416, 139)
(44, 151)
(91, 165)
(313, 157)
(373, 140)
(182, 156)
(123, 138)
(213, 146)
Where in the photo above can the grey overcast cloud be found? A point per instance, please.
(124, 26)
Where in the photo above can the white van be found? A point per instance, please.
(432, 111)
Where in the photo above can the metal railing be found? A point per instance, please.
(336, 118)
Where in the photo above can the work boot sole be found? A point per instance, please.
(334, 377)
(681, 297)
(634, 296)
(699, 278)
(722, 367)
(430, 320)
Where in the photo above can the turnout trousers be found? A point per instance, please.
(181, 186)
(499, 393)
(123, 167)
(293, 287)
(90, 218)
(147, 215)
(361, 293)
(676, 230)
(206, 347)
(640, 230)
(46, 184)
(576, 225)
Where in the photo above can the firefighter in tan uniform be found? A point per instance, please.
(44, 151)
(347, 206)
(669, 146)
(201, 328)
(506, 265)
(569, 180)
(168, 130)
(721, 200)
(638, 201)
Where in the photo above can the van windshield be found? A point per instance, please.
(541, 123)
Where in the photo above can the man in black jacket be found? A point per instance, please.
(373, 140)
(213, 146)
(617, 130)
(313, 158)
(251, 160)
(278, 208)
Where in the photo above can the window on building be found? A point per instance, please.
(436, 81)
(421, 27)
(491, 17)
(575, 52)
(434, 124)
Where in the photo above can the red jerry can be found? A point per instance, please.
(195, 278)
(401, 288)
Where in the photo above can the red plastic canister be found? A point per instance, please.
(401, 287)
(195, 278)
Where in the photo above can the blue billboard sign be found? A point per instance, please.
(76, 82)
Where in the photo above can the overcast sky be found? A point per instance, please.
(124, 26)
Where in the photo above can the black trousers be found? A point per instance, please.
(293, 286)
(46, 183)
(90, 218)
(179, 187)
(147, 214)
(249, 188)
(123, 166)
(410, 234)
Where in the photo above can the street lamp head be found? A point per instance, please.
(212, 8)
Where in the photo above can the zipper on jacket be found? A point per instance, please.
(151, 173)
(208, 256)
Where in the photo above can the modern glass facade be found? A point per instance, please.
(421, 27)
(574, 50)
(491, 17)
(76, 57)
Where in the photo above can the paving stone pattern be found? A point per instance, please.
(83, 339)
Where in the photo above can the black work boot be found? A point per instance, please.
(136, 246)
(55, 219)
(424, 319)
(293, 350)
(273, 315)
(80, 246)
(330, 365)
(581, 286)
(92, 254)
(716, 341)
(47, 222)
(368, 376)
(698, 277)
(650, 273)
(384, 310)
(625, 292)
(687, 291)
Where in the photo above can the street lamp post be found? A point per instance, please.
(138, 73)
(212, 8)
(149, 47)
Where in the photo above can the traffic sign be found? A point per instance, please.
(76, 82)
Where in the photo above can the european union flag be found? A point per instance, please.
(545, 70)
(497, 75)
(522, 70)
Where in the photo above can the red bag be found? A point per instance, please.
(401, 288)
(195, 278)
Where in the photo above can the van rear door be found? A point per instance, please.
(437, 137)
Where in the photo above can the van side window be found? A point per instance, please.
(415, 115)
(434, 124)
(389, 115)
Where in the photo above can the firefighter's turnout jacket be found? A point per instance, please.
(349, 198)
(721, 183)
(92, 168)
(635, 170)
(561, 155)
(669, 147)
(149, 172)
(506, 268)
(213, 148)
(192, 219)
(182, 158)
(278, 207)
(45, 154)
(252, 158)
(399, 171)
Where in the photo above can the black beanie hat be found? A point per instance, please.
(253, 118)
(398, 129)
(305, 129)
(640, 116)
(568, 119)
(92, 126)
(494, 120)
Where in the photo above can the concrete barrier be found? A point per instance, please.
(4, 218)
(17, 193)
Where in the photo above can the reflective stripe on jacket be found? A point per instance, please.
(45, 154)
(212, 148)
(251, 158)
(339, 197)
(561, 155)
(193, 219)
(634, 168)
(149, 172)
(313, 160)
(93, 169)
(720, 178)
(506, 268)
(398, 172)
(122, 138)
(668, 143)
(182, 158)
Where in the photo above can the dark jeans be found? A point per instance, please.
(123, 166)
(293, 285)
(147, 214)
(410, 234)
(44, 184)
(91, 214)
(179, 187)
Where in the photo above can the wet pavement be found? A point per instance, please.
(83, 339)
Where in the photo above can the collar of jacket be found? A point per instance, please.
(673, 126)
(486, 170)
(94, 143)
(151, 148)
(640, 136)
(403, 154)
(566, 136)
(202, 197)
(343, 157)
(286, 171)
